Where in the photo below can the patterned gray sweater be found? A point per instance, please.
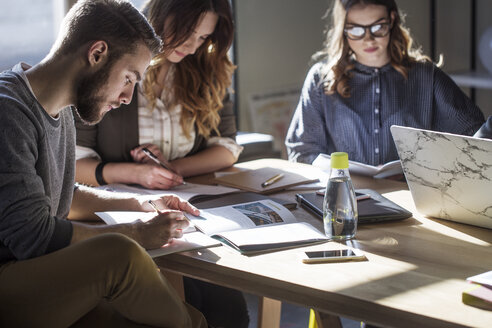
(37, 154)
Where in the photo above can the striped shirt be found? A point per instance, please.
(380, 97)
(161, 126)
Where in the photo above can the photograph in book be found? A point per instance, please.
(241, 216)
(259, 213)
(256, 227)
(252, 227)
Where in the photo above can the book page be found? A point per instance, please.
(186, 191)
(189, 241)
(118, 217)
(482, 279)
(260, 239)
(378, 172)
(241, 216)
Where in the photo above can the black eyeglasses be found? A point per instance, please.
(358, 32)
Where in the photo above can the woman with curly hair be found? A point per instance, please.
(180, 111)
(368, 78)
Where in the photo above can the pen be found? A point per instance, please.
(154, 206)
(155, 159)
(272, 180)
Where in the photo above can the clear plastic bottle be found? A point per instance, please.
(340, 206)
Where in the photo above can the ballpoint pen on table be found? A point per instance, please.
(272, 180)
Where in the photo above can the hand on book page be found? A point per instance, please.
(378, 172)
(191, 239)
(248, 219)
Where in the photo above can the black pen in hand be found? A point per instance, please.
(151, 155)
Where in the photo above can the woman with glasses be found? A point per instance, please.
(368, 78)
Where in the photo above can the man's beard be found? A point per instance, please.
(90, 95)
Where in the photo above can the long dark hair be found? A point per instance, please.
(200, 80)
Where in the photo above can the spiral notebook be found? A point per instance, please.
(377, 208)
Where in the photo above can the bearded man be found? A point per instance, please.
(56, 271)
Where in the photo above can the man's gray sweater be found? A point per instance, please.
(37, 154)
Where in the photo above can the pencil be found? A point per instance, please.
(154, 206)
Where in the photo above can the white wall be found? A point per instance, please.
(276, 38)
(275, 41)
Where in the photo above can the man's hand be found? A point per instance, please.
(159, 231)
(167, 202)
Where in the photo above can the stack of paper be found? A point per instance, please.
(377, 172)
(480, 295)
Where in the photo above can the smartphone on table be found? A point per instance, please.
(333, 255)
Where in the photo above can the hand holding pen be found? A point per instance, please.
(161, 229)
(156, 160)
(160, 176)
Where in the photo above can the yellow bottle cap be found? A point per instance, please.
(339, 160)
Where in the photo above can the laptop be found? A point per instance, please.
(449, 175)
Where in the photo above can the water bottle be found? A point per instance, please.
(339, 205)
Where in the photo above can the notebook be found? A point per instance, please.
(449, 175)
(252, 180)
(375, 209)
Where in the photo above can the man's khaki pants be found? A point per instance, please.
(105, 281)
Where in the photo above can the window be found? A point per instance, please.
(28, 28)
(27, 31)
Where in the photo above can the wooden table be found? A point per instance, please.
(414, 275)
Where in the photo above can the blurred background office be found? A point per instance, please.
(274, 42)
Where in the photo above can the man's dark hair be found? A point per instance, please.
(117, 22)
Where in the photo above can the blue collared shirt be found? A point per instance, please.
(380, 97)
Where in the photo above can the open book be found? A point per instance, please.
(250, 228)
(191, 239)
(377, 172)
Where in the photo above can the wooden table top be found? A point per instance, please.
(414, 276)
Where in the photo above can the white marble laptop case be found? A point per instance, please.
(449, 176)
